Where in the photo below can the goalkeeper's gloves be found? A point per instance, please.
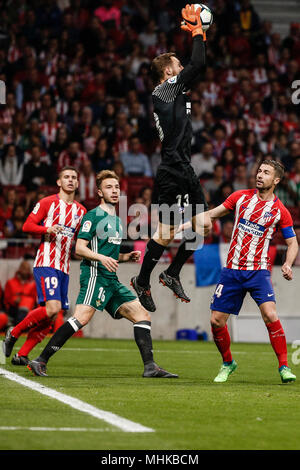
(192, 21)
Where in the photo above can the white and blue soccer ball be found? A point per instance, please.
(205, 15)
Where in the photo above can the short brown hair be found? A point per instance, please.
(104, 175)
(278, 167)
(159, 64)
(68, 167)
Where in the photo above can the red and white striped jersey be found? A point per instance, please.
(55, 249)
(49, 131)
(65, 159)
(260, 125)
(254, 225)
(87, 187)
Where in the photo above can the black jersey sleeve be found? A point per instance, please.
(168, 90)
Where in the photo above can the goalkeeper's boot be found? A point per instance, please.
(175, 285)
(9, 342)
(144, 295)
(19, 360)
(153, 370)
(225, 371)
(286, 375)
(38, 368)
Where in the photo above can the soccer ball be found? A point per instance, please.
(205, 15)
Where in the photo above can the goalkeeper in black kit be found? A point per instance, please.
(177, 189)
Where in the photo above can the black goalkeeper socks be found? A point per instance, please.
(152, 255)
(185, 250)
(142, 336)
(59, 338)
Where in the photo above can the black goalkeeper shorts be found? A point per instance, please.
(179, 190)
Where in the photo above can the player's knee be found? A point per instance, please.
(53, 309)
(270, 317)
(217, 321)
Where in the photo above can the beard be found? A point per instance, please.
(264, 187)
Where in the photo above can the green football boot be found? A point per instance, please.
(286, 375)
(225, 371)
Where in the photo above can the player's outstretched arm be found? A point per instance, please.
(291, 255)
(218, 212)
(81, 249)
(132, 256)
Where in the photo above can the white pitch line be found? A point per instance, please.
(168, 351)
(111, 418)
(36, 428)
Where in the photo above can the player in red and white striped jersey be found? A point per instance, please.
(55, 248)
(258, 214)
(256, 221)
(57, 218)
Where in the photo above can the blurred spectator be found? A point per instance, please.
(135, 60)
(223, 193)
(13, 228)
(108, 14)
(240, 178)
(212, 185)
(20, 294)
(102, 158)
(118, 168)
(11, 166)
(249, 19)
(148, 37)
(286, 192)
(290, 158)
(281, 150)
(204, 162)
(7, 206)
(87, 182)
(239, 45)
(36, 172)
(73, 116)
(138, 122)
(295, 178)
(118, 84)
(72, 156)
(60, 144)
(50, 126)
(257, 120)
(219, 141)
(90, 142)
(135, 162)
(226, 232)
(81, 130)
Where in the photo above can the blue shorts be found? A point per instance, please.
(52, 284)
(234, 285)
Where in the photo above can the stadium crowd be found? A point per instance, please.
(78, 92)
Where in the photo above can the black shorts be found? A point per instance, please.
(178, 189)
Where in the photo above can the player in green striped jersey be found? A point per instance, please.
(98, 243)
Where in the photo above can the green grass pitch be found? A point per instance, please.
(253, 410)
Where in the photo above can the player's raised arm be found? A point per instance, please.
(192, 23)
